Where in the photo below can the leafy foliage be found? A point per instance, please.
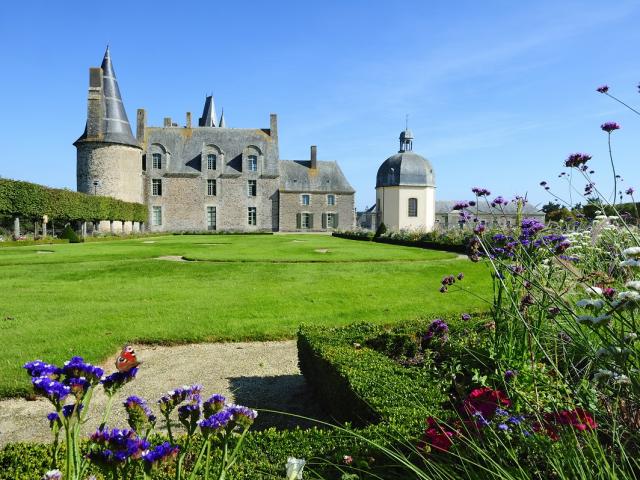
(34, 201)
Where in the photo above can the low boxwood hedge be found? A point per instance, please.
(431, 245)
(383, 401)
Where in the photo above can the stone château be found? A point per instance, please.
(204, 177)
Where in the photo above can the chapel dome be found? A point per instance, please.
(405, 167)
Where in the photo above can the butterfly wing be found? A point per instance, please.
(127, 359)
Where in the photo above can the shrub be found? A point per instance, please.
(381, 230)
(70, 234)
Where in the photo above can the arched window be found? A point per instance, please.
(413, 207)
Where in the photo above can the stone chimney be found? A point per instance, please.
(273, 126)
(95, 108)
(188, 119)
(167, 121)
(141, 124)
(314, 157)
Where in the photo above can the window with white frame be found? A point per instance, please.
(211, 187)
(157, 161)
(305, 199)
(252, 163)
(331, 199)
(413, 207)
(305, 220)
(332, 220)
(252, 188)
(156, 216)
(211, 161)
(211, 218)
(156, 187)
(252, 216)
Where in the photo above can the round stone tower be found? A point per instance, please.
(109, 157)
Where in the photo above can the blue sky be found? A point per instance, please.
(498, 93)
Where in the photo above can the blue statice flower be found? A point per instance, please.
(38, 368)
(78, 386)
(52, 389)
(172, 399)
(77, 367)
(139, 415)
(501, 411)
(111, 448)
(163, 453)
(510, 375)
(504, 427)
(242, 416)
(188, 415)
(213, 404)
(216, 423)
(112, 383)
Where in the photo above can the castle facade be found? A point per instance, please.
(206, 177)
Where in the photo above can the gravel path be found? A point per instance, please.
(255, 374)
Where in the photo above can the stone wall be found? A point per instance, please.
(290, 206)
(184, 203)
(117, 168)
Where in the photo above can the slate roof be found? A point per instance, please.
(297, 176)
(405, 168)
(115, 124)
(446, 206)
(184, 146)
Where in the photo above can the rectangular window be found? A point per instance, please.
(252, 188)
(156, 215)
(413, 207)
(211, 218)
(156, 187)
(331, 199)
(331, 220)
(305, 199)
(305, 220)
(211, 187)
(252, 216)
(157, 161)
(211, 162)
(252, 163)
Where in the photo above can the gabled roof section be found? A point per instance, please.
(298, 176)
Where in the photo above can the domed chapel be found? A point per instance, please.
(405, 189)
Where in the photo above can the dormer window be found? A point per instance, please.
(252, 163)
(211, 161)
(157, 161)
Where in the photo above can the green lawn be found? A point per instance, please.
(88, 299)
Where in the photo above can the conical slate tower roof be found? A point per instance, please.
(114, 125)
(208, 118)
(222, 123)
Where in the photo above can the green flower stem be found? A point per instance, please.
(168, 422)
(613, 167)
(196, 467)
(107, 412)
(208, 461)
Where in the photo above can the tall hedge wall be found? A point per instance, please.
(30, 200)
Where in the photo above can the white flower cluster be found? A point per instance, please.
(632, 257)
(612, 377)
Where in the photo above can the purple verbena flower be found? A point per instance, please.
(480, 192)
(465, 317)
(510, 375)
(603, 89)
(438, 330)
(460, 205)
(609, 126)
(576, 159)
(629, 191)
(460, 276)
(499, 201)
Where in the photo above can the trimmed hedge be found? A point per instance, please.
(24, 199)
(388, 403)
(454, 248)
